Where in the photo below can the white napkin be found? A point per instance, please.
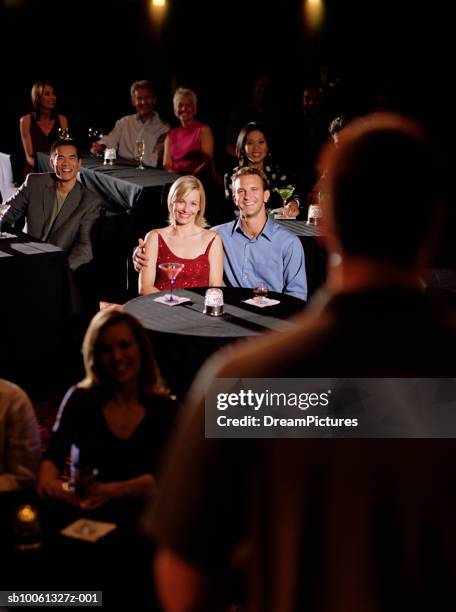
(176, 300)
(283, 217)
(7, 235)
(266, 302)
(32, 248)
(45, 247)
(88, 530)
(3, 254)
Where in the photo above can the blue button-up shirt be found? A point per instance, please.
(275, 257)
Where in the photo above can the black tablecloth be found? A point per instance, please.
(314, 251)
(37, 298)
(184, 337)
(122, 183)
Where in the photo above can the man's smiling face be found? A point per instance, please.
(65, 162)
(250, 195)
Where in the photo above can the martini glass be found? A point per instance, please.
(285, 193)
(172, 270)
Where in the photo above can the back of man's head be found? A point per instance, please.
(382, 188)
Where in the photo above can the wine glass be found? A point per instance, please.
(94, 134)
(260, 292)
(139, 153)
(64, 133)
(172, 270)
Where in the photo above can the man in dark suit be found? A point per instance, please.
(57, 208)
(332, 524)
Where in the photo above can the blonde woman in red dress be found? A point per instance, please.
(185, 240)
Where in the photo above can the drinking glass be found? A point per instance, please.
(315, 212)
(27, 528)
(139, 153)
(94, 135)
(3, 209)
(172, 270)
(86, 477)
(260, 292)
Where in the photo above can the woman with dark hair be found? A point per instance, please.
(253, 149)
(40, 128)
(115, 422)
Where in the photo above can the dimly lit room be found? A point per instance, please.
(228, 306)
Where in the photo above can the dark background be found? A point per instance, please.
(95, 49)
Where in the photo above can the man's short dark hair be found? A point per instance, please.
(382, 188)
(249, 171)
(60, 142)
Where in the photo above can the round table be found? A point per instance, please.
(184, 337)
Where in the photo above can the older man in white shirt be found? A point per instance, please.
(144, 125)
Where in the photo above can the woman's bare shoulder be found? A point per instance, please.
(159, 231)
(151, 235)
(25, 120)
(210, 235)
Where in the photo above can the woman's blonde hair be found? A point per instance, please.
(150, 379)
(37, 92)
(179, 189)
(184, 92)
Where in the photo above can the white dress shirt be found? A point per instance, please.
(129, 129)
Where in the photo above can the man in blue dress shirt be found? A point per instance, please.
(255, 247)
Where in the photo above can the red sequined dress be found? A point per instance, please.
(194, 274)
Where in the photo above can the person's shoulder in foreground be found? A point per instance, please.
(20, 443)
(305, 500)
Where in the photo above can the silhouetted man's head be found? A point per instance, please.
(382, 192)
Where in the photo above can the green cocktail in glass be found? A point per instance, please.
(284, 193)
(290, 210)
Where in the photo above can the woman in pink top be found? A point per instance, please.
(189, 149)
(185, 240)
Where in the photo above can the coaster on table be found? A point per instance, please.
(266, 302)
(163, 299)
(88, 530)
